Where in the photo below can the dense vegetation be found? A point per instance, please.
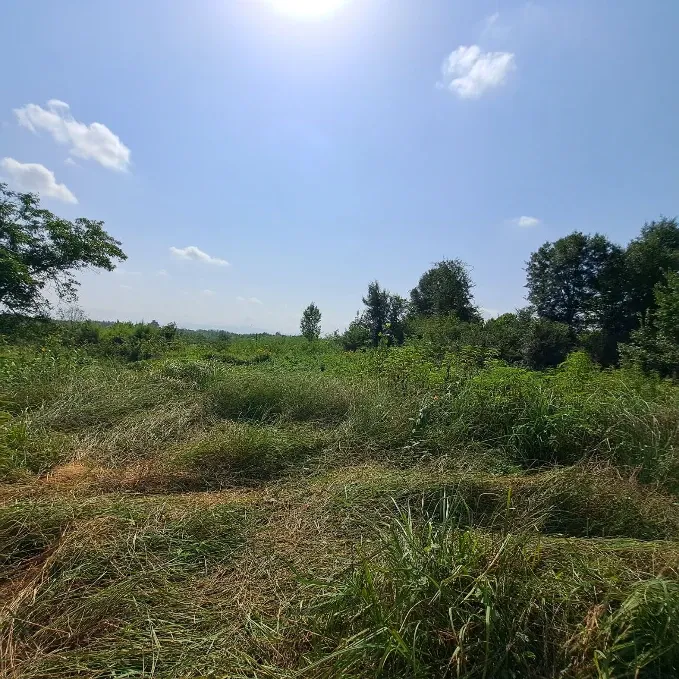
(427, 494)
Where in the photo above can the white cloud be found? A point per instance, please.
(94, 141)
(208, 293)
(126, 287)
(197, 255)
(526, 222)
(469, 72)
(249, 300)
(162, 274)
(70, 161)
(36, 178)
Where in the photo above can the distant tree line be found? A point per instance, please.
(583, 291)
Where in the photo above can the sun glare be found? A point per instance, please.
(307, 9)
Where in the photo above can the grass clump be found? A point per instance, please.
(244, 452)
(293, 397)
(432, 598)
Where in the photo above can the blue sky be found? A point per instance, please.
(315, 154)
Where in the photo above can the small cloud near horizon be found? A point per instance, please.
(36, 178)
(526, 222)
(191, 252)
(249, 300)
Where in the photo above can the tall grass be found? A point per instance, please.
(432, 598)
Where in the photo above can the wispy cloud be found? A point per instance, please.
(469, 72)
(249, 300)
(191, 252)
(208, 293)
(162, 274)
(526, 222)
(94, 141)
(36, 178)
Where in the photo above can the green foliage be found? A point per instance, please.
(655, 346)
(649, 258)
(38, 249)
(445, 289)
(432, 598)
(356, 336)
(310, 325)
(568, 280)
(295, 398)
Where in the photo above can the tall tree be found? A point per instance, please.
(655, 345)
(376, 315)
(649, 258)
(39, 249)
(310, 325)
(575, 279)
(445, 289)
(396, 318)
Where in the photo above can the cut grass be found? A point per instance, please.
(113, 586)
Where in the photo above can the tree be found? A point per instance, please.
(445, 289)
(39, 249)
(376, 315)
(649, 258)
(655, 345)
(395, 329)
(574, 280)
(357, 335)
(310, 324)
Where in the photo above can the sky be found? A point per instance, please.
(255, 155)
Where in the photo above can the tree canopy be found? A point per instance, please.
(39, 249)
(567, 279)
(310, 325)
(445, 289)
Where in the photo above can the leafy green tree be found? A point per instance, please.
(445, 289)
(655, 345)
(376, 314)
(39, 249)
(546, 344)
(396, 316)
(575, 279)
(310, 325)
(649, 258)
(357, 335)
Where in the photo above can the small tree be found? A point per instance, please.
(38, 249)
(310, 325)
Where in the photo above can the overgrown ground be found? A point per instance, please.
(277, 509)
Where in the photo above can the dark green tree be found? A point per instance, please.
(445, 289)
(655, 345)
(39, 249)
(649, 258)
(376, 314)
(396, 316)
(310, 325)
(357, 335)
(576, 280)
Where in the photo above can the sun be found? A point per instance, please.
(307, 9)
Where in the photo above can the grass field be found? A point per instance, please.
(278, 508)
